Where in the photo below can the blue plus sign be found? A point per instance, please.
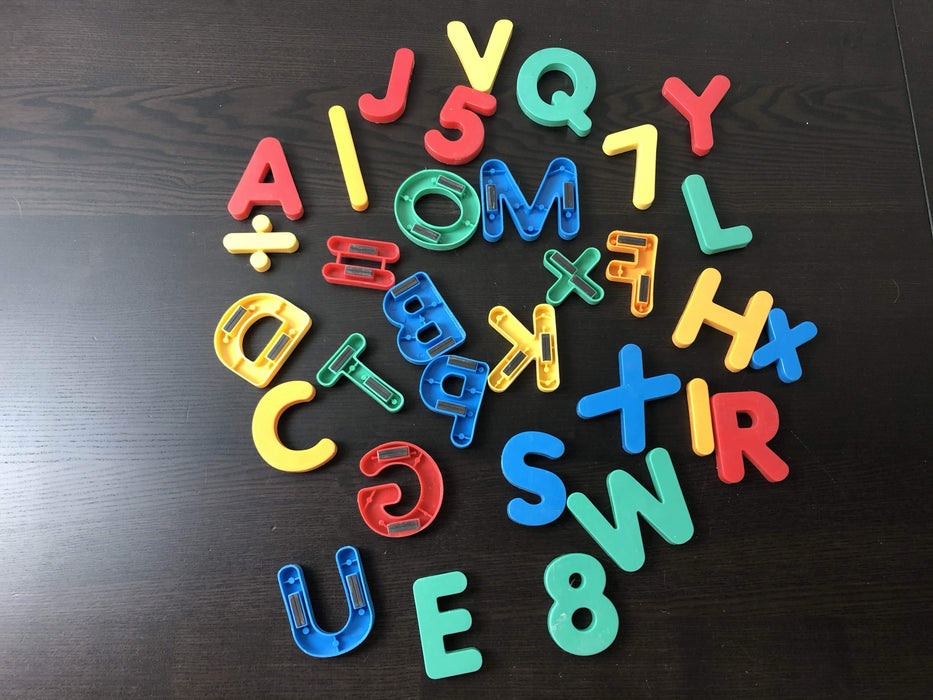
(782, 345)
(629, 397)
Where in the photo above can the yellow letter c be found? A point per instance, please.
(265, 430)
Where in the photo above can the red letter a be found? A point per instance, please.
(253, 190)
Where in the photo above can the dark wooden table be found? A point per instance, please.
(141, 533)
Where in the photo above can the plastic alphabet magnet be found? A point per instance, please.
(631, 504)
(642, 248)
(735, 443)
(563, 109)
(539, 346)
(228, 337)
(257, 189)
(781, 348)
(745, 328)
(356, 275)
(573, 277)
(463, 405)
(346, 363)
(500, 194)
(265, 430)
(373, 500)
(434, 625)
(446, 184)
(392, 106)
(696, 109)
(309, 637)
(481, 70)
(346, 154)
(541, 482)
(629, 397)
(427, 326)
(710, 235)
(644, 141)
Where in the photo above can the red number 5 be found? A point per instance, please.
(460, 113)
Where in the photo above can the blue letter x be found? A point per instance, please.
(629, 397)
(782, 345)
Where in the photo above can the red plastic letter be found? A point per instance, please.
(392, 106)
(697, 110)
(345, 248)
(733, 442)
(460, 112)
(253, 190)
(373, 500)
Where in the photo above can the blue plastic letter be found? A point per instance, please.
(542, 482)
(463, 406)
(310, 638)
(500, 194)
(667, 514)
(629, 397)
(427, 327)
(781, 348)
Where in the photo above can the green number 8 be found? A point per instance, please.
(585, 595)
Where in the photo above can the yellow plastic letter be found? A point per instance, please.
(349, 162)
(644, 140)
(481, 70)
(744, 328)
(701, 421)
(228, 337)
(265, 430)
(540, 347)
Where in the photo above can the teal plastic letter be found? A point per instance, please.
(667, 513)
(585, 595)
(563, 109)
(429, 235)
(433, 625)
(710, 235)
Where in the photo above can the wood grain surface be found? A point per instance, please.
(141, 533)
